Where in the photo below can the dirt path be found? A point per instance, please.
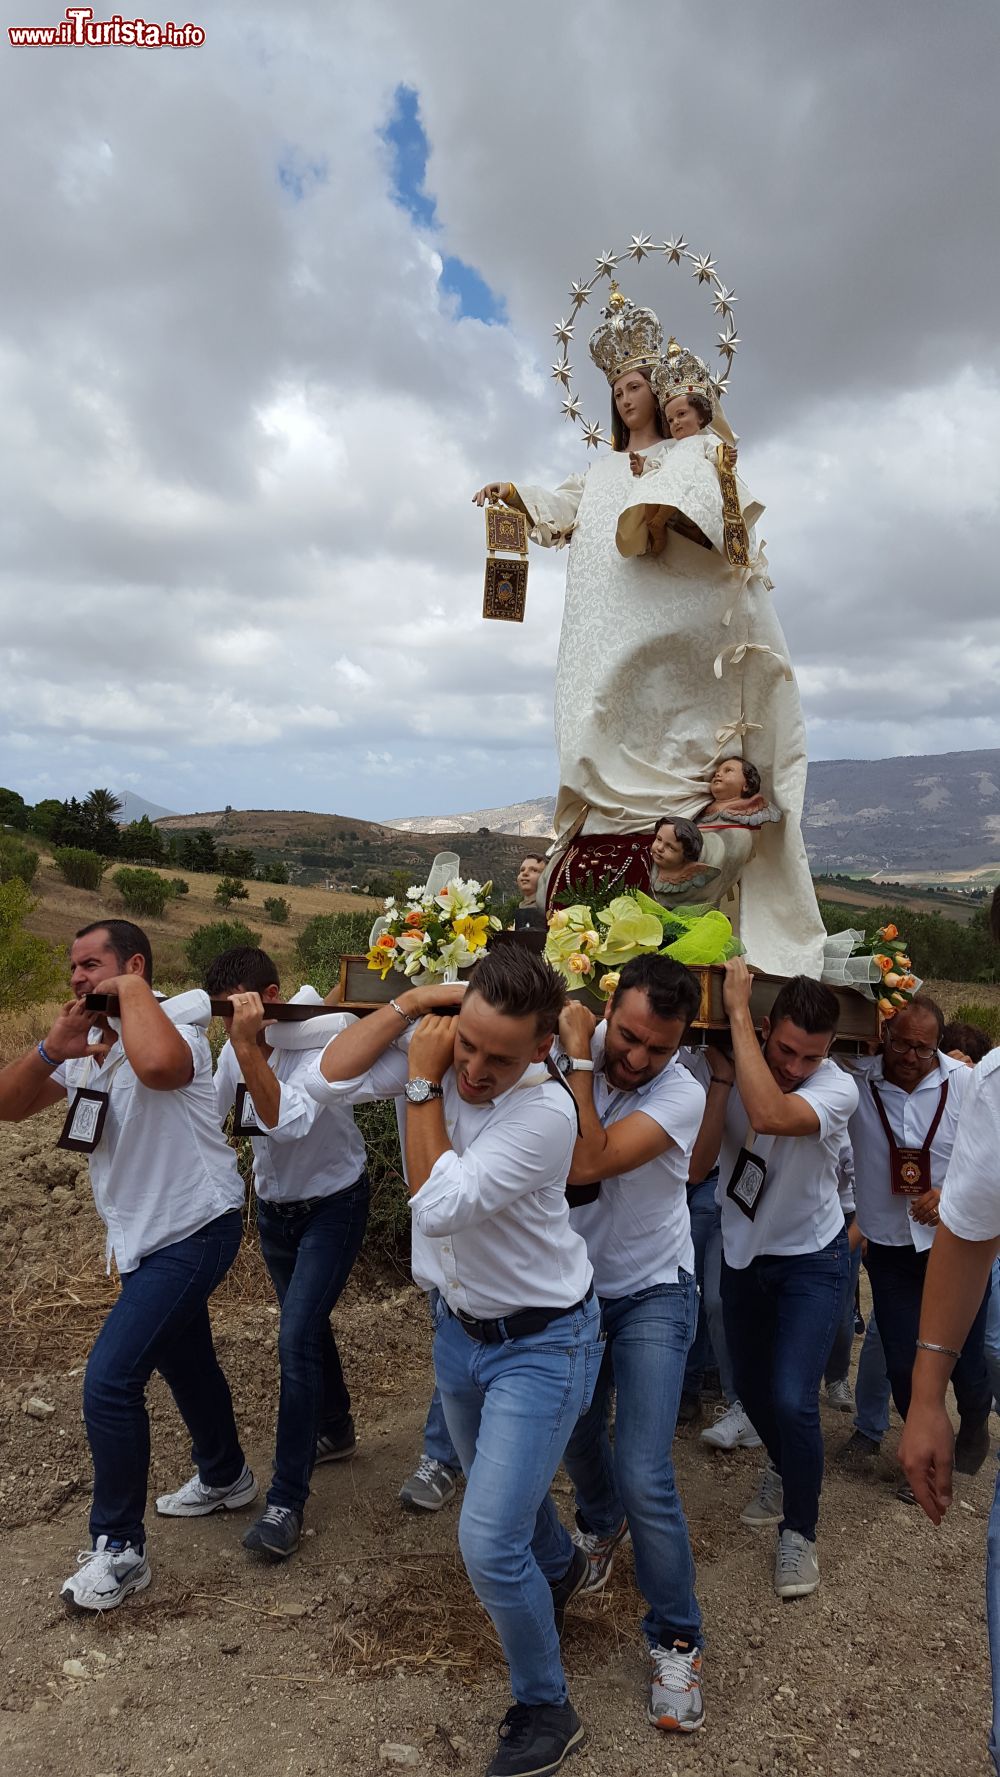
(371, 1635)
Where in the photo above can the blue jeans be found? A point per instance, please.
(712, 1296)
(991, 1339)
(160, 1322)
(705, 1219)
(437, 1439)
(648, 1337)
(993, 1616)
(309, 1249)
(510, 1409)
(782, 1312)
(838, 1363)
(896, 1274)
(871, 1390)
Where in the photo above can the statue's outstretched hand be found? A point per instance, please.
(494, 490)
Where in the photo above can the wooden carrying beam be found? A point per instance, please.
(279, 1010)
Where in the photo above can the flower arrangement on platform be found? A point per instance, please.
(434, 934)
(878, 967)
(588, 946)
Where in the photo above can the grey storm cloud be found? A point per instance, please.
(241, 421)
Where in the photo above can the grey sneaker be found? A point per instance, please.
(338, 1449)
(195, 1500)
(840, 1395)
(675, 1699)
(430, 1486)
(796, 1569)
(600, 1553)
(765, 1507)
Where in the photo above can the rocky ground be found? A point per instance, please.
(370, 1639)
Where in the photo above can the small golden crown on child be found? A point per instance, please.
(629, 338)
(680, 372)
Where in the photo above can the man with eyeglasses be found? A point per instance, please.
(902, 1133)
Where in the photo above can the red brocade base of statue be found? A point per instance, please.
(598, 868)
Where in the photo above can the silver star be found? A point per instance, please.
(674, 248)
(562, 372)
(592, 434)
(639, 245)
(579, 293)
(564, 332)
(718, 386)
(704, 267)
(571, 407)
(723, 300)
(606, 263)
(728, 342)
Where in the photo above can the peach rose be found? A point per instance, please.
(888, 932)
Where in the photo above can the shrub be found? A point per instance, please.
(179, 885)
(30, 968)
(985, 1018)
(82, 869)
(208, 941)
(17, 860)
(326, 939)
(277, 909)
(387, 1238)
(143, 891)
(231, 889)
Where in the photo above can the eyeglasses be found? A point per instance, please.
(921, 1053)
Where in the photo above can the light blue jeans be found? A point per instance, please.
(510, 1409)
(437, 1441)
(648, 1337)
(871, 1390)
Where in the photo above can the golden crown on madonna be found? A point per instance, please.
(629, 337)
(680, 372)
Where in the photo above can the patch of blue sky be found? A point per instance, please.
(407, 138)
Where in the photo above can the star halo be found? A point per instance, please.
(675, 251)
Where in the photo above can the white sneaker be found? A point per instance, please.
(600, 1553)
(840, 1395)
(195, 1500)
(731, 1431)
(796, 1569)
(105, 1577)
(766, 1505)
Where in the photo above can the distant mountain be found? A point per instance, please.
(134, 807)
(933, 811)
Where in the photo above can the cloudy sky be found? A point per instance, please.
(271, 309)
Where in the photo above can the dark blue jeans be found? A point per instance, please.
(705, 1221)
(309, 1249)
(160, 1322)
(838, 1363)
(781, 1313)
(896, 1274)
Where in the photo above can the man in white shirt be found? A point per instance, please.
(786, 1264)
(489, 1141)
(640, 1113)
(964, 1249)
(903, 1133)
(312, 1210)
(167, 1188)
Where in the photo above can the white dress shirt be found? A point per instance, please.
(883, 1216)
(638, 1230)
(162, 1168)
(799, 1209)
(491, 1227)
(313, 1150)
(970, 1196)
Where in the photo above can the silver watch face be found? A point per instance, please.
(419, 1091)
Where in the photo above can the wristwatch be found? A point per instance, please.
(569, 1064)
(421, 1091)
